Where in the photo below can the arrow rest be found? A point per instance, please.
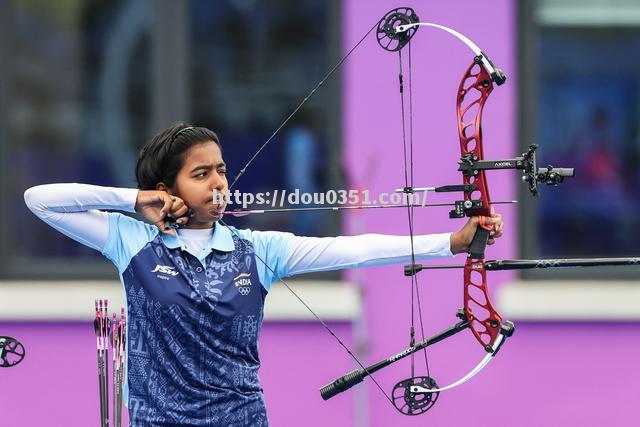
(386, 33)
(11, 352)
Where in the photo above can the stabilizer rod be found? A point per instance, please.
(355, 377)
(528, 264)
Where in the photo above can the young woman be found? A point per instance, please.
(195, 297)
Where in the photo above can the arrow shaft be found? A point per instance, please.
(341, 208)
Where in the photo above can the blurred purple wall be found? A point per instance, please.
(56, 384)
(548, 374)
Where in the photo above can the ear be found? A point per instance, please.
(162, 187)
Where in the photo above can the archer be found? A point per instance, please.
(192, 352)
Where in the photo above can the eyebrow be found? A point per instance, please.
(208, 166)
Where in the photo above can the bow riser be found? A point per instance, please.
(470, 103)
(473, 92)
(484, 320)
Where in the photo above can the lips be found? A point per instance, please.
(217, 210)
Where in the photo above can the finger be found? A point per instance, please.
(491, 241)
(164, 228)
(182, 221)
(177, 203)
(183, 218)
(493, 220)
(178, 208)
(168, 202)
(178, 212)
(496, 228)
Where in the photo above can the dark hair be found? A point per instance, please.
(162, 157)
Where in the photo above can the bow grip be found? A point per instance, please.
(479, 242)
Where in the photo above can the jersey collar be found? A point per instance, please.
(221, 240)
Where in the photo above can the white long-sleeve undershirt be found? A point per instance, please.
(77, 210)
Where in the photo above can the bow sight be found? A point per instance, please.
(470, 166)
(548, 175)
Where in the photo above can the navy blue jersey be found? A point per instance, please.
(194, 323)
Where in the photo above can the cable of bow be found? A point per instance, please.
(318, 318)
(408, 191)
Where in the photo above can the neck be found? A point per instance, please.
(191, 225)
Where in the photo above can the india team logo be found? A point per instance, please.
(242, 282)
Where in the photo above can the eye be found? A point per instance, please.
(201, 174)
(222, 171)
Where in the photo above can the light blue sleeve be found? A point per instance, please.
(272, 253)
(127, 236)
(286, 254)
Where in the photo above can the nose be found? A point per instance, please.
(218, 182)
(218, 188)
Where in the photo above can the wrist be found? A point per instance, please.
(457, 244)
(138, 205)
(127, 199)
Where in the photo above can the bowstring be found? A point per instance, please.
(295, 110)
(409, 181)
(415, 282)
(409, 211)
(329, 330)
(262, 147)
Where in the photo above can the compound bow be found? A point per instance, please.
(416, 394)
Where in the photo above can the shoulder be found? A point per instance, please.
(127, 224)
(262, 238)
(271, 248)
(127, 236)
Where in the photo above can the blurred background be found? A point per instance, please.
(84, 84)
